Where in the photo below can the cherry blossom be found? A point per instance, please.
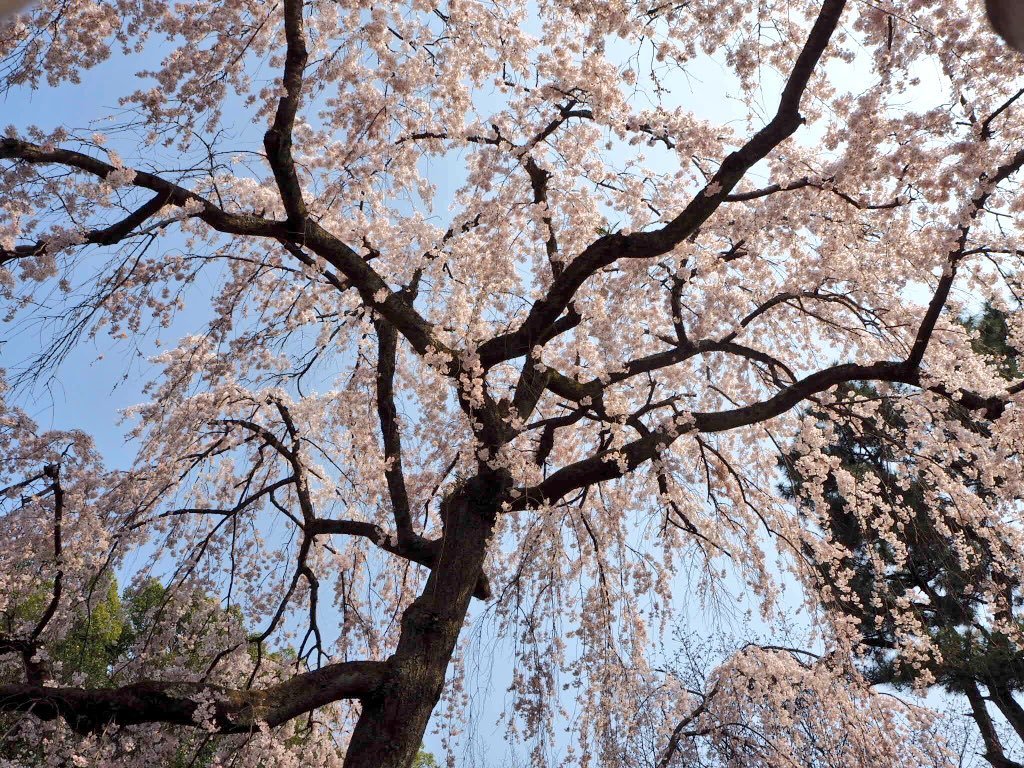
(551, 401)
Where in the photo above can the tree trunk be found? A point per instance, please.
(993, 747)
(1002, 696)
(390, 729)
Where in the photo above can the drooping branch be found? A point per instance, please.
(573, 390)
(410, 546)
(807, 182)
(612, 464)
(208, 212)
(243, 503)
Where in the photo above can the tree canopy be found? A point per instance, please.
(503, 315)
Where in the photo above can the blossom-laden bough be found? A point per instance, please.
(558, 397)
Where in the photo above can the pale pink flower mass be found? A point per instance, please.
(475, 350)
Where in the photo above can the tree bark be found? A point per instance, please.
(1002, 697)
(994, 752)
(394, 716)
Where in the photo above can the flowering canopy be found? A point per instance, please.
(554, 393)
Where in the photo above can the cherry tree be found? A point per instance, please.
(553, 400)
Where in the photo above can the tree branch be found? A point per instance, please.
(993, 747)
(416, 549)
(641, 245)
(372, 289)
(387, 413)
(222, 221)
(938, 300)
(278, 139)
(106, 236)
(234, 711)
(609, 465)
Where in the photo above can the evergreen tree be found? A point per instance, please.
(971, 655)
(102, 640)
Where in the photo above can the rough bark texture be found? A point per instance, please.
(395, 716)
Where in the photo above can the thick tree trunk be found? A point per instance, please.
(394, 718)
